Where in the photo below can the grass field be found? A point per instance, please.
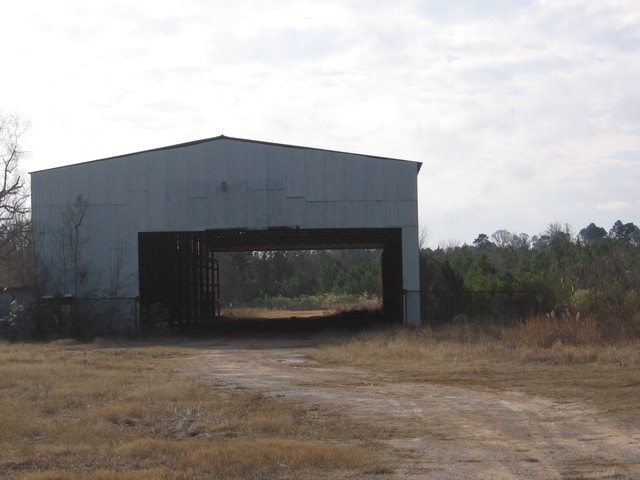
(124, 409)
(100, 411)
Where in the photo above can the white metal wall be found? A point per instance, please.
(221, 183)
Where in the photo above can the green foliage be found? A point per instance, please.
(247, 276)
(9, 324)
(593, 234)
(593, 273)
(626, 233)
(154, 318)
(63, 317)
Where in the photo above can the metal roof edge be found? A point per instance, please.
(223, 137)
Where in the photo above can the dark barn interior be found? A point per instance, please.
(179, 270)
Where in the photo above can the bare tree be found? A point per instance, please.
(71, 243)
(503, 238)
(449, 245)
(16, 253)
(423, 239)
(506, 239)
(13, 191)
(15, 225)
(557, 231)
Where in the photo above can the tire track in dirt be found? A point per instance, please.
(436, 431)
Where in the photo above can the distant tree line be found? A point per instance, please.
(503, 275)
(249, 276)
(513, 275)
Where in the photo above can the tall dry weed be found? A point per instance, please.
(545, 331)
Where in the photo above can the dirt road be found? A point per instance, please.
(435, 431)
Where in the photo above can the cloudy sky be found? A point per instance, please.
(523, 112)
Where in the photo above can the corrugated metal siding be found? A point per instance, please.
(182, 189)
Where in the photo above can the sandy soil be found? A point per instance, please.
(434, 431)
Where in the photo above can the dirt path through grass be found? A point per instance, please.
(432, 431)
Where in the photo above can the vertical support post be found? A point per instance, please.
(411, 276)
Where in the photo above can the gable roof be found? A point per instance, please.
(223, 137)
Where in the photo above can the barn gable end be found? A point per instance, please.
(88, 217)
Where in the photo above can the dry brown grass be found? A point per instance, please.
(123, 410)
(260, 313)
(320, 308)
(571, 329)
(531, 358)
(100, 411)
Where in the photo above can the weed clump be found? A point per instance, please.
(545, 331)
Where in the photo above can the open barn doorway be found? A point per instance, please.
(178, 271)
(300, 283)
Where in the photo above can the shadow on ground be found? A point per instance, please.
(349, 321)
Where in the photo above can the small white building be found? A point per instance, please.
(147, 225)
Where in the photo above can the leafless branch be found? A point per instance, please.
(13, 192)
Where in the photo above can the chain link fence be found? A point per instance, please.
(440, 307)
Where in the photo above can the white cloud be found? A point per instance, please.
(614, 206)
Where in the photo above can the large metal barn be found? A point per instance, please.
(144, 228)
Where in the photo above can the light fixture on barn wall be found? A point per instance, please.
(224, 187)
